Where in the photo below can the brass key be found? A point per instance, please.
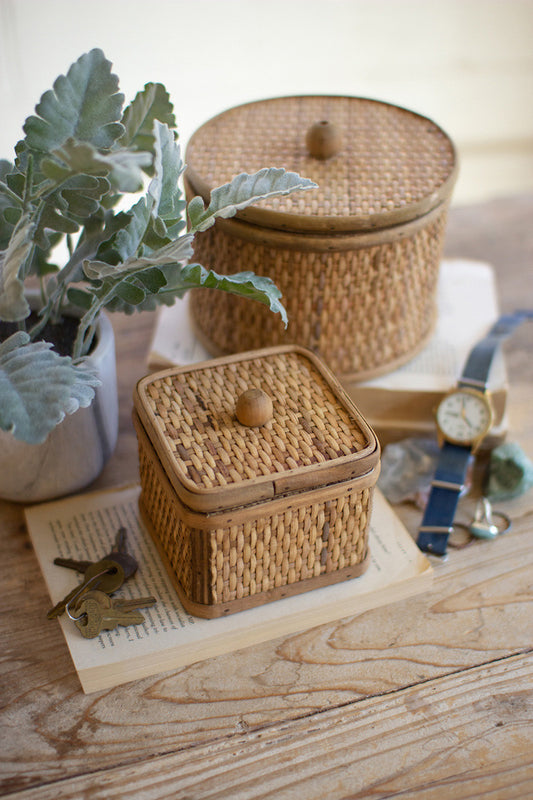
(118, 553)
(97, 612)
(118, 556)
(107, 575)
(122, 603)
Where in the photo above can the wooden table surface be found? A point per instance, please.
(431, 697)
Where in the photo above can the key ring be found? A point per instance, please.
(483, 526)
(84, 588)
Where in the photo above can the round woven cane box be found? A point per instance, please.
(257, 475)
(356, 259)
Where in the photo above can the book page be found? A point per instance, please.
(173, 342)
(84, 527)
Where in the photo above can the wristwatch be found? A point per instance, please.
(464, 417)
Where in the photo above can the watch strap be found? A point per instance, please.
(477, 368)
(452, 465)
(446, 487)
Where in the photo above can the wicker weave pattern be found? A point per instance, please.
(160, 503)
(227, 563)
(194, 411)
(306, 541)
(391, 158)
(361, 310)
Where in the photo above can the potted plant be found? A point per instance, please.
(82, 155)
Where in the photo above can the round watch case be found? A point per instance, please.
(464, 416)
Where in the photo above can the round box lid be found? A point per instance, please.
(309, 435)
(375, 164)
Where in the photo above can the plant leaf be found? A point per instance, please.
(174, 252)
(38, 387)
(124, 167)
(13, 304)
(152, 103)
(84, 104)
(9, 207)
(81, 195)
(153, 279)
(244, 284)
(131, 294)
(52, 220)
(77, 297)
(127, 240)
(169, 203)
(241, 192)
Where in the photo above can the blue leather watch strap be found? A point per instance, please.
(446, 487)
(477, 367)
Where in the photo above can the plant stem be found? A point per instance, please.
(28, 183)
(86, 325)
(11, 194)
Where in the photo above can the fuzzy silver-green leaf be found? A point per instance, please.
(243, 284)
(152, 103)
(38, 388)
(168, 168)
(124, 167)
(13, 304)
(172, 253)
(243, 191)
(84, 104)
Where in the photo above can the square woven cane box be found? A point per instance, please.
(257, 474)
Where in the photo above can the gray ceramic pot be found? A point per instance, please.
(76, 451)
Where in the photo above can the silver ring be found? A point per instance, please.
(460, 541)
(506, 521)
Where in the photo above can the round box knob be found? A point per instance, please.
(254, 407)
(323, 140)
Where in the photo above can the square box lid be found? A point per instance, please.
(315, 437)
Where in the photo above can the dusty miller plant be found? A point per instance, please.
(82, 153)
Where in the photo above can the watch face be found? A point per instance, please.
(464, 416)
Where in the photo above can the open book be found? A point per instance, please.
(84, 526)
(399, 403)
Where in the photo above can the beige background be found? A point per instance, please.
(468, 64)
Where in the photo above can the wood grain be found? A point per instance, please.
(456, 737)
(478, 612)
(427, 698)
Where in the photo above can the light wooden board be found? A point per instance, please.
(448, 739)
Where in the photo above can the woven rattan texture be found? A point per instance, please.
(159, 502)
(360, 309)
(219, 565)
(391, 158)
(194, 412)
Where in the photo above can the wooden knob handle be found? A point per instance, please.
(254, 407)
(323, 140)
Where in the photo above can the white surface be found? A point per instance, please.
(468, 64)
